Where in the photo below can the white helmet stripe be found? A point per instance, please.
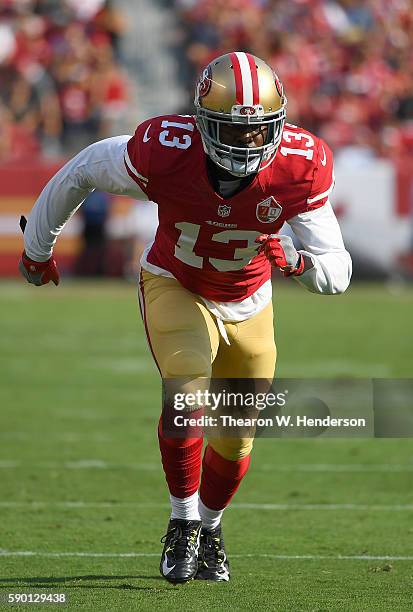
(248, 98)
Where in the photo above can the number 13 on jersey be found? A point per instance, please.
(184, 248)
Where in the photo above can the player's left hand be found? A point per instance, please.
(281, 253)
(39, 272)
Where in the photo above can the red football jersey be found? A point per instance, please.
(205, 241)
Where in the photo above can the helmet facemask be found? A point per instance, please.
(240, 160)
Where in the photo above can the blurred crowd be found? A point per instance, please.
(62, 85)
(346, 65)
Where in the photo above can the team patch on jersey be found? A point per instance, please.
(224, 210)
(268, 210)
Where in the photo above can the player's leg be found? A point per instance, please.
(251, 354)
(184, 339)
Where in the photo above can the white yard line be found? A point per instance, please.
(337, 467)
(80, 464)
(100, 464)
(31, 553)
(65, 436)
(239, 506)
(373, 507)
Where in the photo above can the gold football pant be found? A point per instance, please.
(185, 342)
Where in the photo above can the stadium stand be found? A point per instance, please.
(344, 63)
(61, 81)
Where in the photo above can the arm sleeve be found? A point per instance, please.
(320, 235)
(99, 166)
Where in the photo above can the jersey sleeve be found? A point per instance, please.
(138, 155)
(99, 166)
(323, 177)
(320, 235)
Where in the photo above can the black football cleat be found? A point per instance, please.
(213, 563)
(179, 561)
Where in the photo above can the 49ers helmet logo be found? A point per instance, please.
(278, 84)
(204, 84)
(247, 110)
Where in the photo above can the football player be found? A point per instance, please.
(225, 180)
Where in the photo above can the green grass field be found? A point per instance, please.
(83, 500)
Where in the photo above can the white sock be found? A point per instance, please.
(210, 518)
(186, 508)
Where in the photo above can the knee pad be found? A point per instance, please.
(232, 448)
(187, 363)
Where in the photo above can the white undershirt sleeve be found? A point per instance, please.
(99, 166)
(320, 235)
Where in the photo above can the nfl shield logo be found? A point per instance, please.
(224, 210)
(269, 210)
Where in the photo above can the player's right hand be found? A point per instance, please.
(39, 272)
